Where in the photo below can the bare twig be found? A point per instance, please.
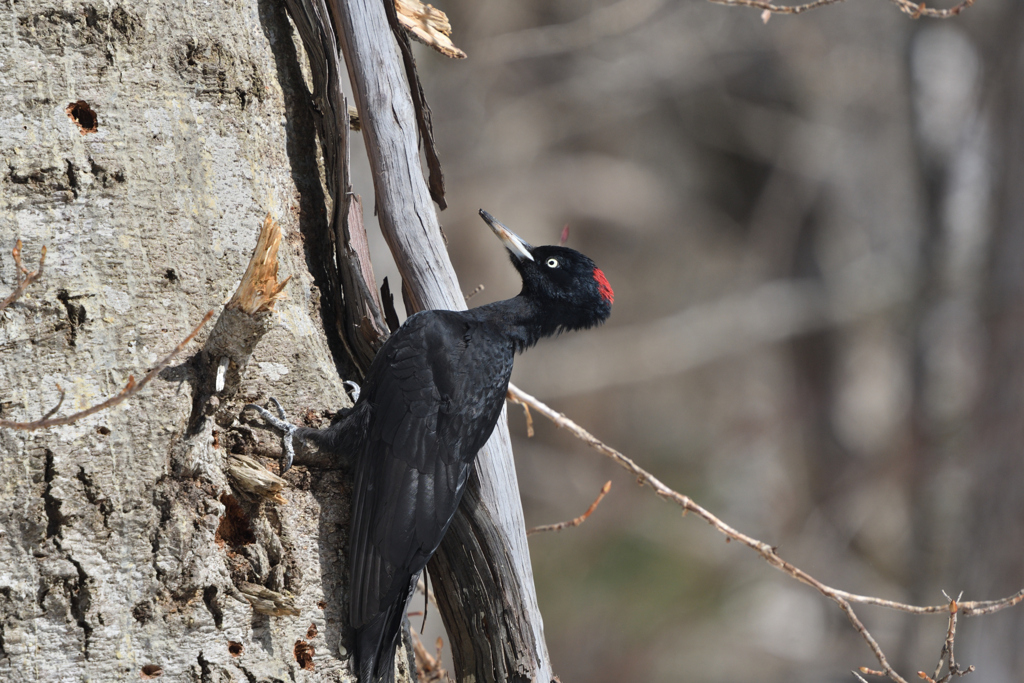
(916, 10)
(767, 552)
(777, 9)
(422, 587)
(946, 656)
(578, 520)
(130, 389)
(28, 278)
(60, 402)
(526, 413)
(428, 667)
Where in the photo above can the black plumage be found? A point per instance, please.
(428, 404)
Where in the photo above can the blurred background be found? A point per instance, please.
(815, 232)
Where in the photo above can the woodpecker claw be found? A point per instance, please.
(353, 389)
(282, 423)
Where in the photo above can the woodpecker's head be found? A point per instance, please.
(572, 292)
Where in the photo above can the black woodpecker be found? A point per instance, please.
(429, 402)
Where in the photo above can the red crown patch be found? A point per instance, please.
(603, 287)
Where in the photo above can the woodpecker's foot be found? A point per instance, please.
(353, 389)
(282, 423)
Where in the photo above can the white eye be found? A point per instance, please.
(552, 263)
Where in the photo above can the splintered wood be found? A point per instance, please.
(266, 601)
(259, 288)
(252, 477)
(428, 25)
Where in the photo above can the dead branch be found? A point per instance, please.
(769, 554)
(435, 176)
(916, 10)
(526, 414)
(946, 655)
(243, 322)
(259, 288)
(28, 278)
(428, 666)
(130, 389)
(578, 520)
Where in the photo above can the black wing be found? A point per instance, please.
(435, 391)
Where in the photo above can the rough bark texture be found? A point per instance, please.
(122, 542)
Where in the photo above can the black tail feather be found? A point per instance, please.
(376, 643)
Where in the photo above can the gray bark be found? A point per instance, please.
(122, 542)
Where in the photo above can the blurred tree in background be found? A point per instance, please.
(817, 248)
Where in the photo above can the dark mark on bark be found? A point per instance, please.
(84, 117)
(304, 654)
(143, 612)
(95, 496)
(72, 177)
(248, 675)
(51, 505)
(204, 668)
(151, 671)
(80, 600)
(210, 600)
(106, 177)
(75, 312)
(235, 528)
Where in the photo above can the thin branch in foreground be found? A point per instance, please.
(526, 413)
(946, 656)
(53, 411)
(130, 389)
(429, 668)
(916, 10)
(28, 278)
(578, 520)
(767, 552)
(777, 9)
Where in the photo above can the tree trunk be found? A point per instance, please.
(989, 552)
(143, 147)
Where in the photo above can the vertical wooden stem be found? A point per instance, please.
(482, 572)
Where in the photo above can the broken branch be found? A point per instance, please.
(28, 278)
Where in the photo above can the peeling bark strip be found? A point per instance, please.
(360, 322)
(487, 538)
(419, 101)
(428, 25)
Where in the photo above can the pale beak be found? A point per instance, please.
(519, 247)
